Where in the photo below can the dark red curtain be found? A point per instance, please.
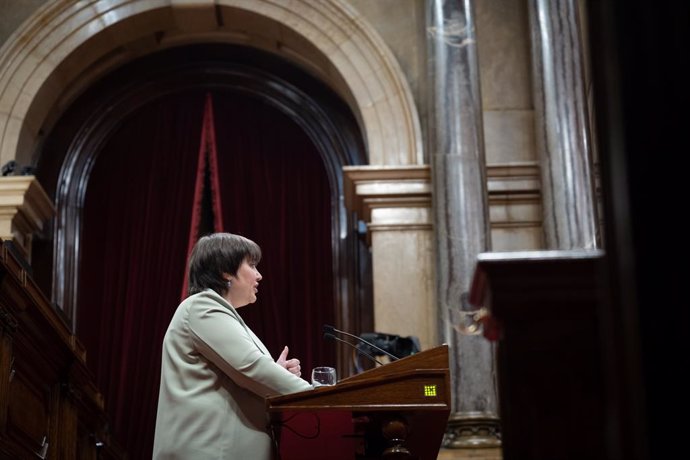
(275, 191)
(133, 249)
(136, 225)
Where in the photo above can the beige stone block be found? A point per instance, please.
(390, 135)
(515, 212)
(9, 94)
(194, 15)
(14, 13)
(503, 44)
(367, 71)
(517, 238)
(509, 136)
(478, 453)
(251, 23)
(372, 133)
(403, 284)
(326, 32)
(19, 71)
(102, 26)
(10, 134)
(297, 49)
(400, 23)
(4, 119)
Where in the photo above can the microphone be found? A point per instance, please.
(328, 335)
(328, 329)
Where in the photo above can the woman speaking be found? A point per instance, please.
(215, 373)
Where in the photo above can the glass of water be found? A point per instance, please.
(323, 376)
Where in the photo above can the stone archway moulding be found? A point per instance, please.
(65, 45)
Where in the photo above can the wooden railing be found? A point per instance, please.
(49, 404)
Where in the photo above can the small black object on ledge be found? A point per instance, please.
(12, 168)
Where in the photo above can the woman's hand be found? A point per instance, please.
(292, 365)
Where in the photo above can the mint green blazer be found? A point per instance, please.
(215, 376)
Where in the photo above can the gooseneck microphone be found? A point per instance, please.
(329, 336)
(328, 329)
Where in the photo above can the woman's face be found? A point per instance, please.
(245, 285)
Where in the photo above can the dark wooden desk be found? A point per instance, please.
(395, 411)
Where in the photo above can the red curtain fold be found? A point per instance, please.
(206, 163)
(136, 234)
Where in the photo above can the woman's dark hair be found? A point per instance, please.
(216, 254)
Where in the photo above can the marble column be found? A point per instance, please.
(456, 148)
(562, 125)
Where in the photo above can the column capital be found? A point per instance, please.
(367, 188)
(24, 208)
(395, 203)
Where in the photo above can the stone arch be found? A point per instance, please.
(66, 46)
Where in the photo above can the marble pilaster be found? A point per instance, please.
(456, 149)
(562, 125)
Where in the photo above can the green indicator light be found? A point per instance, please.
(429, 390)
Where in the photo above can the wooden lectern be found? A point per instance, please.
(395, 411)
(545, 309)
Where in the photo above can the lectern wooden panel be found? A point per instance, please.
(544, 311)
(396, 411)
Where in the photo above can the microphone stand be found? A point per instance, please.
(328, 329)
(328, 335)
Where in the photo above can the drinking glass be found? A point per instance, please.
(322, 376)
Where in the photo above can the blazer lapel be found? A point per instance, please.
(259, 344)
